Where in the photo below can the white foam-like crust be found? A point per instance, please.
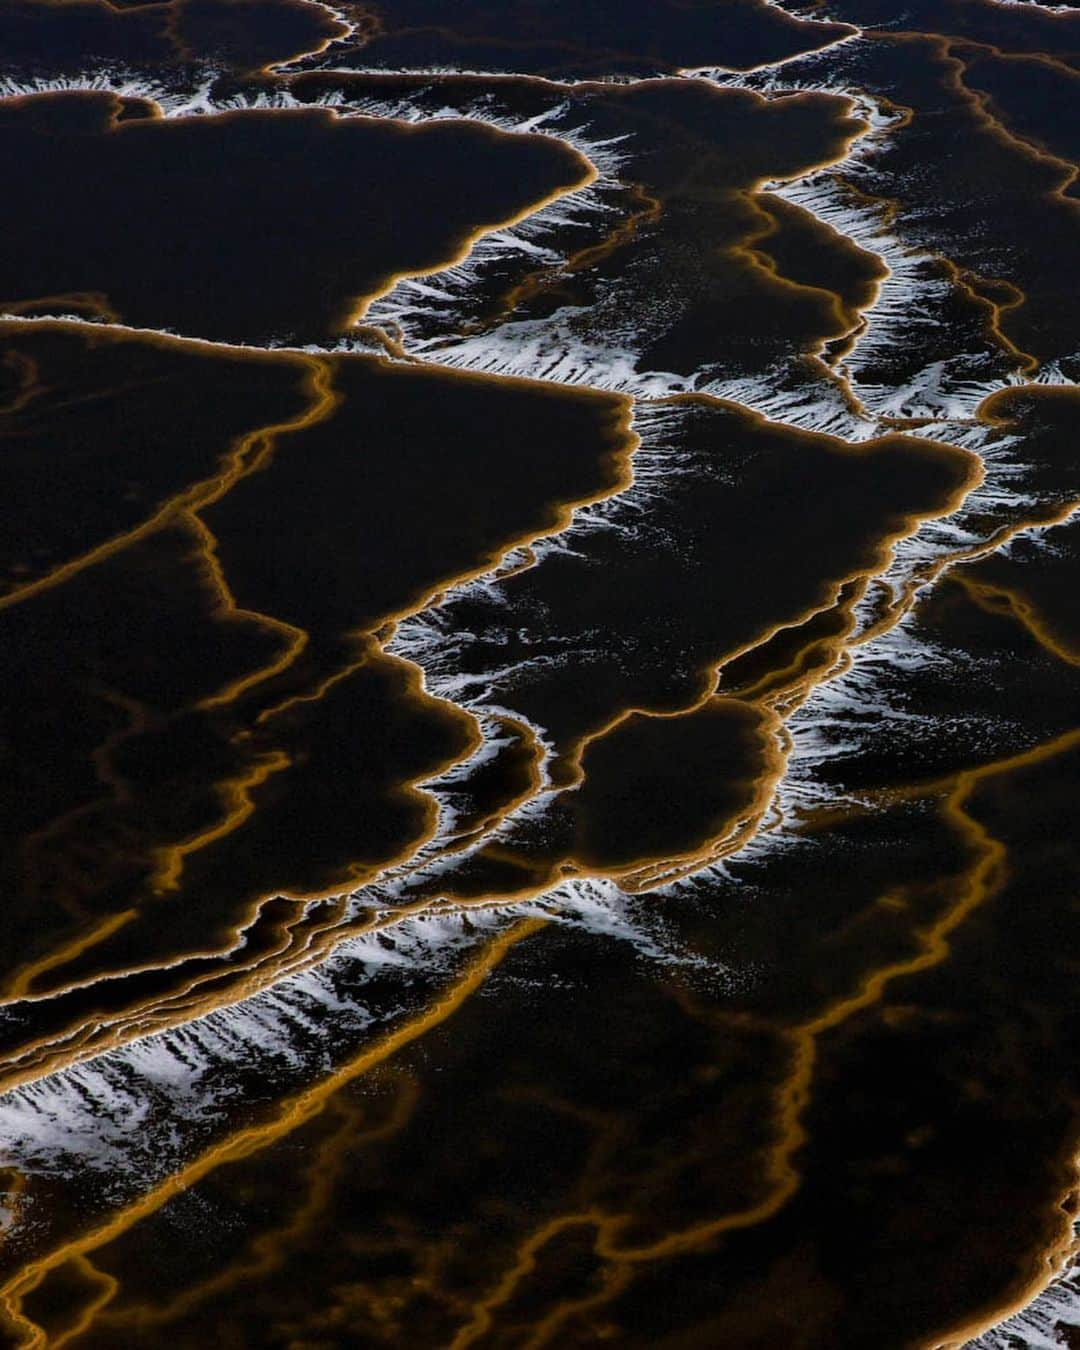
(1039, 1325)
(134, 1114)
(1034, 4)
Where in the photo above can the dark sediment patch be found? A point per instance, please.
(252, 226)
(660, 788)
(252, 34)
(1034, 583)
(200, 717)
(749, 557)
(419, 477)
(1033, 97)
(50, 39)
(1021, 27)
(600, 36)
(806, 254)
(117, 430)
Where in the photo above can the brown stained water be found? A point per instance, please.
(538, 627)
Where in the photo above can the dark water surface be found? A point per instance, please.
(538, 617)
